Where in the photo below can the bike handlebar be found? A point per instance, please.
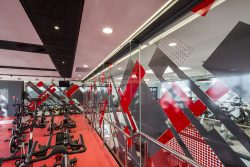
(57, 149)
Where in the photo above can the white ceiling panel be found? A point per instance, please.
(28, 72)
(124, 17)
(15, 24)
(25, 59)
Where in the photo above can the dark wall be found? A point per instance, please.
(8, 89)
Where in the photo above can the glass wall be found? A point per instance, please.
(54, 96)
(184, 90)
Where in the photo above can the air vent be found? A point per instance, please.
(81, 69)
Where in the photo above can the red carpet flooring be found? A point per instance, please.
(95, 156)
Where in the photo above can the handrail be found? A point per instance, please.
(190, 161)
(177, 154)
(111, 123)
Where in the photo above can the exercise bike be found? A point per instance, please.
(42, 122)
(62, 149)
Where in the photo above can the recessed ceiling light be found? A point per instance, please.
(79, 75)
(133, 76)
(119, 68)
(172, 44)
(56, 27)
(85, 66)
(63, 62)
(107, 30)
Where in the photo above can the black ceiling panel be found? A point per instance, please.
(20, 75)
(25, 47)
(28, 68)
(60, 44)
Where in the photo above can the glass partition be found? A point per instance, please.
(182, 97)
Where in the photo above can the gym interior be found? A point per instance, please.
(108, 83)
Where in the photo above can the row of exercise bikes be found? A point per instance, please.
(25, 151)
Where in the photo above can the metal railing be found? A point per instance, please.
(164, 147)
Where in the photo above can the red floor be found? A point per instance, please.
(95, 156)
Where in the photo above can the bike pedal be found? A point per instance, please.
(73, 161)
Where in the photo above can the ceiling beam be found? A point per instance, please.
(57, 24)
(17, 75)
(24, 47)
(28, 68)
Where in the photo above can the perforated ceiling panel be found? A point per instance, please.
(58, 24)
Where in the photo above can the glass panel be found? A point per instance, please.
(186, 88)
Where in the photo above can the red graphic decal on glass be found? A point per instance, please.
(72, 90)
(44, 95)
(203, 7)
(71, 102)
(103, 78)
(129, 141)
(109, 89)
(90, 88)
(133, 83)
(40, 84)
(177, 117)
(104, 106)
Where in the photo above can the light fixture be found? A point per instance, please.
(204, 80)
(79, 75)
(172, 44)
(85, 66)
(107, 30)
(63, 62)
(133, 76)
(56, 27)
(119, 68)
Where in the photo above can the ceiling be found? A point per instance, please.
(124, 17)
(79, 38)
(200, 36)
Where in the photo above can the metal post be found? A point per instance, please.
(103, 136)
(141, 134)
(92, 119)
(126, 153)
(145, 154)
